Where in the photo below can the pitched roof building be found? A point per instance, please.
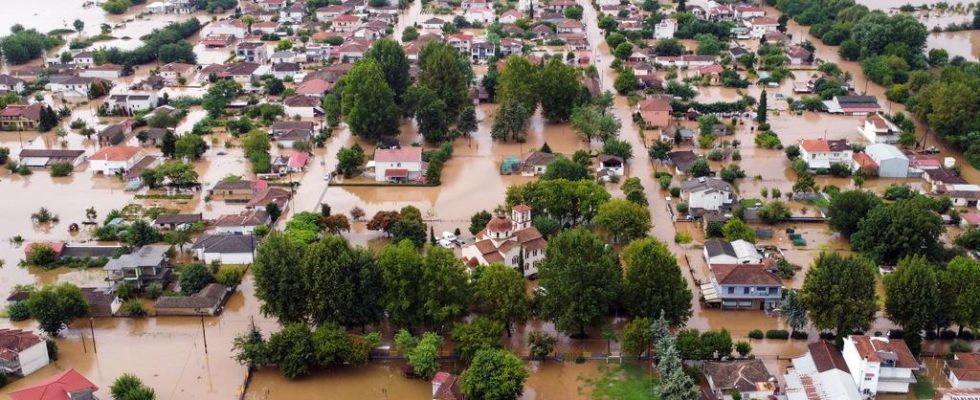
(511, 241)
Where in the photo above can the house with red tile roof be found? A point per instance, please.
(511, 241)
(877, 129)
(743, 286)
(655, 112)
(398, 165)
(822, 153)
(21, 352)
(115, 159)
(69, 385)
(963, 371)
(20, 116)
(820, 374)
(879, 364)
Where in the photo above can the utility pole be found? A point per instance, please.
(91, 327)
(205, 334)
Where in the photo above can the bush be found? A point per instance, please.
(682, 207)
(960, 346)
(827, 336)
(682, 237)
(126, 291)
(743, 348)
(134, 308)
(756, 334)
(777, 334)
(229, 276)
(18, 311)
(675, 192)
(800, 335)
(59, 169)
(947, 335)
(52, 346)
(154, 290)
(966, 335)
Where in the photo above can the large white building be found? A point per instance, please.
(879, 364)
(511, 241)
(665, 29)
(708, 194)
(115, 159)
(892, 163)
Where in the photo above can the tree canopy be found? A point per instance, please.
(839, 293)
(653, 284)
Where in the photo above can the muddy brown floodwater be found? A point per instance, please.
(169, 353)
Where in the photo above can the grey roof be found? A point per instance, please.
(742, 374)
(539, 158)
(210, 297)
(706, 183)
(225, 243)
(146, 256)
(718, 247)
(51, 153)
(177, 218)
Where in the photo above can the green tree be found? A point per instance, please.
(839, 293)
(219, 95)
(139, 234)
(345, 283)
(582, 278)
(563, 168)
(625, 82)
(442, 71)
(467, 121)
(429, 111)
(190, 147)
(249, 347)
(55, 306)
(592, 122)
(699, 168)
(279, 281)
(653, 284)
(390, 57)
(168, 145)
(444, 287)
(517, 83)
(78, 25)
(424, 358)
(510, 122)
(476, 335)
(368, 103)
(736, 229)
(193, 278)
(793, 310)
(494, 375)
(911, 293)
(499, 294)
(292, 349)
(540, 344)
(349, 160)
(479, 221)
(893, 231)
(559, 90)
(638, 336)
(960, 293)
(623, 51)
(848, 208)
(623, 220)
(762, 110)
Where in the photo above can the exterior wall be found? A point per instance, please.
(109, 167)
(238, 230)
(871, 134)
(893, 168)
(226, 258)
(749, 300)
(303, 112)
(414, 169)
(708, 201)
(864, 373)
(99, 74)
(33, 358)
(830, 158)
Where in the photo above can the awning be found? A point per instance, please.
(396, 173)
(709, 294)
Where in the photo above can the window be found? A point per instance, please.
(731, 290)
(745, 290)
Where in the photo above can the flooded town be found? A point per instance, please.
(474, 199)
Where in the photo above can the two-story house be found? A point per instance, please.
(173, 72)
(20, 117)
(398, 165)
(111, 160)
(131, 103)
(21, 352)
(820, 154)
(254, 52)
(11, 84)
(68, 385)
(708, 194)
(879, 364)
(654, 112)
(877, 129)
(141, 268)
(743, 286)
(820, 374)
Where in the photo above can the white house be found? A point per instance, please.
(11, 84)
(225, 248)
(232, 27)
(398, 165)
(114, 159)
(743, 287)
(892, 163)
(723, 252)
(879, 364)
(172, 72)
(70, 86)
(21, 352)
(820, 374)
(665, 29)
(252, 52)
(610, 166)
(708, 194)
(511, 241)
(303, 106)
(479, 15)
(510, 16)
(433, 23)
(963, 371)
(877, 129)
(104, 71)
(131, 103)
(759, 26)
(243, 223)
(822, 153)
